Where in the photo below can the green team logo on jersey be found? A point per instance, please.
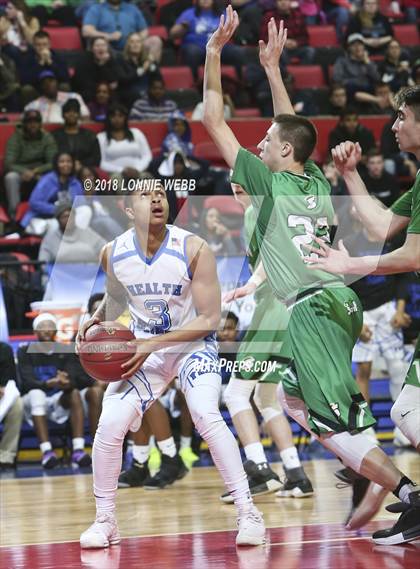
(311, 202)
(335, 409)
(351, 307)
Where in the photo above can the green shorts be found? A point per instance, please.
(413, 374)
(323, 329)
(265, 353)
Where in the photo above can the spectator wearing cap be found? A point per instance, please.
(29, 154)
(355, 70)
(80, 142)
(116, 20)
(297, 33)
(58, 185)
(68, 243)
(38, 59)
(50, 392)
(51, 101)
(12, 415)
(372, 25)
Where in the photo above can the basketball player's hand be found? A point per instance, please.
(401, 320)
(83, 329)
(336, 261)
(225, 30)
(271, 51)
(365, 334)
(246, 290)
(130, 367)
(2, 389)
(346, 156)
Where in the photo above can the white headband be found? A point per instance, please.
(42, 318)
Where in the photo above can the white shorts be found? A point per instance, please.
(53, 410)
(160, 368)
(386, 341)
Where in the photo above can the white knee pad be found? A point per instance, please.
(405, 413)
(238, 394)
(265, 399)
(38, 402)
(352, 449)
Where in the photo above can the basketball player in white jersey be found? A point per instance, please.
(168, 278)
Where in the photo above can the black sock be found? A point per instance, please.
(404, 480)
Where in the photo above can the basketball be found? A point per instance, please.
(105, 349)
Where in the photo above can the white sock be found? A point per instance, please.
(185, 442)
(45, 447)
(405, 491)
(203, 403)
(167, 447)
(78, 443)
(141, 453)
(255, 452)
(152, 442)
(290, 458)
(130, 444)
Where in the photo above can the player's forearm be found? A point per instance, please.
(213, 107)
(374, 217)
(399, 261)
(281, 100)
(258, 276)
(195, 330)
(110, 308)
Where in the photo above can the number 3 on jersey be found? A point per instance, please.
(160, 308)
(305, 238)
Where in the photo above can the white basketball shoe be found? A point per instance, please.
(251, 528)
(102, 533)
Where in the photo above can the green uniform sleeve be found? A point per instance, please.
(252, 174)
(414, 225)
(403, 204)
(311, 169)
(408, 205)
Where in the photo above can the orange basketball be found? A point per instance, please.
(105, 349)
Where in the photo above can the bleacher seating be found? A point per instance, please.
(177, 77)
(307, 76)
(407, 34)
(65, 38)
(322, 36)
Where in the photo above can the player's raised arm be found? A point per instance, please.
(270, 54)
(213, 117)
(379, 221)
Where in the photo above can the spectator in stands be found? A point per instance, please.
(108, 219)
(415, 74)
(124, 150)
(373, 26)
(138, 67)
(227, 336)
(60, 10)
(409, 290)
(355, 70)
(156, 106)
(395, 68)
(312, 10)
(378, 182)
(29, 154)
(116, 20)
(99, 106)
(411, 11)
(337, 100)
(17, 28)
(338, 11)
(250, 17)
(49, 389)
(9, 85)
(59, 185)
(41, 58)
(178, 138)
(349, 128)
(380, 103)
(338, 186)
(340, 202)
(97, 65)
(194, 26)
(396, 162)
(297, 32)
(216, 234)
(71, 138)
(11, 416)
(51, 101)
(68, 243)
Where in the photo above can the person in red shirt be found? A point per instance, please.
(297, 32)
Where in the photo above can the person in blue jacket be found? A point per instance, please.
(58, 185)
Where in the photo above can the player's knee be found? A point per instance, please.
(405, 414)
(206, 418)
(266, 401)
(38, 402)
(112, 427)
(237, 395)
(352, 449)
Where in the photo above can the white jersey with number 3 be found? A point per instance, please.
(158, 288)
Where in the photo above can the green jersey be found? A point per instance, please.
(253, 250)
(290, 208)
(408, 205)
